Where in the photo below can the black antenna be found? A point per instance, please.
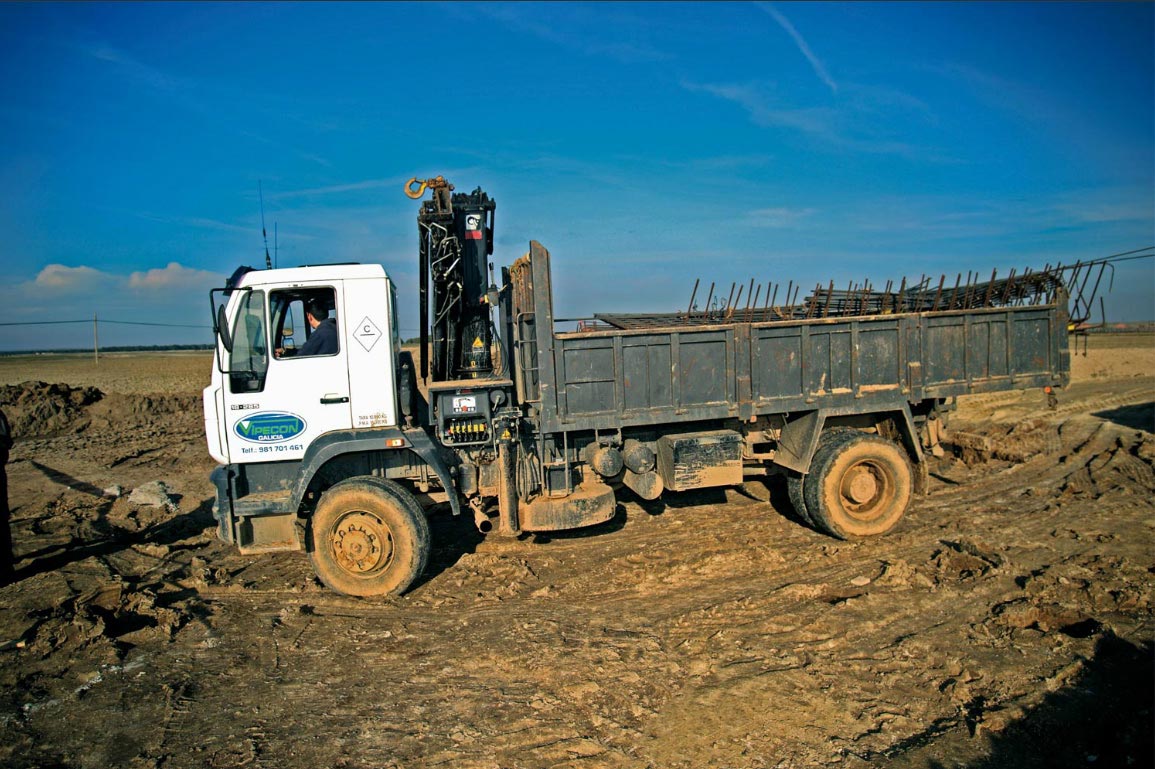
(276, 249)
(265, 235)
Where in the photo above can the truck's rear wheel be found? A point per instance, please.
(859, 486)
(368, 537)
(796, 483)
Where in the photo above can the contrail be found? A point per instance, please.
(784, 22)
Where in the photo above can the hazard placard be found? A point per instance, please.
(367, 333)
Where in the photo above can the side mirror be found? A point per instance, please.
(222, 329)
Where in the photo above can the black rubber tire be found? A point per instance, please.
(794, 488)
(368, 536)
(796, 483)
(860, 485)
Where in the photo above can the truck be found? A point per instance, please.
(530, 423)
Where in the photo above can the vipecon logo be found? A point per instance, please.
(269, 427)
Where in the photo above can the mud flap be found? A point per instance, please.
(591, 503)
(904, 421)
(798, 441)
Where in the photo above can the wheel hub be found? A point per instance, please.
(860, 485)
(362, 543)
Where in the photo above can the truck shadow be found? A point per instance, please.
(772, 490)
(1140, 416)
(452, 538)
(113, 540)
(64, 479)
(1103, 717)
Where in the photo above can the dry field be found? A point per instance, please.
(1008, 623)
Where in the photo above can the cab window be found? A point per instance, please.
(249, 359)
(292, 329)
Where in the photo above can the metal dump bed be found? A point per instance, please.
(612, 378)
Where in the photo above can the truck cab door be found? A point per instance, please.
(279, 398)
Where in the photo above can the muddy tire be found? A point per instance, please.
(794, 488)
(368, 537)
(796, 483)
(860, 485)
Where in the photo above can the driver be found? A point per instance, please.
(322, 340)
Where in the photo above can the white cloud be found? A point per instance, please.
(578, 29)
(1137, 209)
(815, 121)
(1108, 212)
(132, 68)
(172, 277)
(368, 184)
(862, 123)
(59, 278)
(198, 97)
(815, 62)
(198, 222)
(778, 217)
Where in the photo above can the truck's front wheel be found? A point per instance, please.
(368, 537)
(860, 485)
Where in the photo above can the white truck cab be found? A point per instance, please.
(268, 402)
(310, 388)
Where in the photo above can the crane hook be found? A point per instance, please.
(410, 192)
(415, 188)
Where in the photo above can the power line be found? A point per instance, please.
(44, 322)
(141, 323)
(90, 320)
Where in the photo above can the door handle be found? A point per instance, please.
(329, 399)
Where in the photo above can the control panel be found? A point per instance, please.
(464, 418)
(464, 415)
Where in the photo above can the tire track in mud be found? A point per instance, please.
(481, 699)
(884, 619)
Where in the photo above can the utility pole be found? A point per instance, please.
(95, 341)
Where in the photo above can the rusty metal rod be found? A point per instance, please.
(693, 294)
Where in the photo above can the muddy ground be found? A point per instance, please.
(1007, 623)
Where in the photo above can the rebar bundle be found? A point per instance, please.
(1077, 283)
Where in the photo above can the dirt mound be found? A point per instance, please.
(118, 406)
(40, 409)
(44, 410)
(118, 411)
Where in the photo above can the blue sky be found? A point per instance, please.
(645, 145)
